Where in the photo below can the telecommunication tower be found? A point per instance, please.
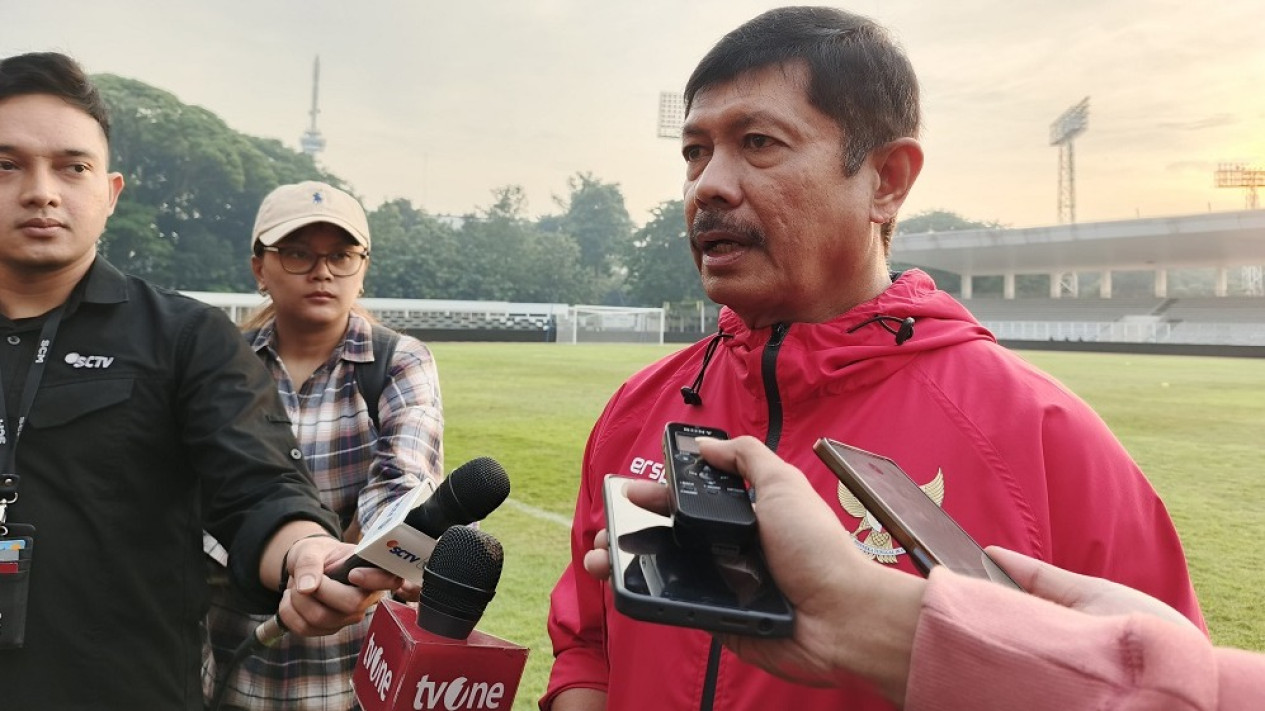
(312, 141)
(671, 114)
(1066, 127)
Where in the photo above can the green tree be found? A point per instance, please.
(596, 217)
(414, 255)
(941, 221)
(660, 265)
(193, 186)
(506, 257)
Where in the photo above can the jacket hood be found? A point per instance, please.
(861, 346)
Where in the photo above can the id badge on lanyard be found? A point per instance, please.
(17, 540)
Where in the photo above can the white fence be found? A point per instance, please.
(1224, 334)
(561, 322)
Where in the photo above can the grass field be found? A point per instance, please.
(1196, 426)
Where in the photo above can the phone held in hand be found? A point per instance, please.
(928, 534)
(657, 580)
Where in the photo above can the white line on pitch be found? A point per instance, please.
(539, 513)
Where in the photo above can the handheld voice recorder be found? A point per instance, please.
(711, 509)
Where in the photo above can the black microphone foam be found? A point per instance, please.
(459, 581)
(469, 494)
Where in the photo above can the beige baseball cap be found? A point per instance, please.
(290, 207)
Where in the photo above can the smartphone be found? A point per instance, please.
(928, 534)
(657, 580)
(710, 507)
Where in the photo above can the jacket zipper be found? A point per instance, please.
(768, 370)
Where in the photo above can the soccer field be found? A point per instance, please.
(1195, 425)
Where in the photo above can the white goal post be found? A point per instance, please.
(611, 324)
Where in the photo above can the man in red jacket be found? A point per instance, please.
(800, 148)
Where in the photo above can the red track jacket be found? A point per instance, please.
(1024, 464)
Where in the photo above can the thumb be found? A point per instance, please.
(746, 456)
(307, 565)
(1040, 578)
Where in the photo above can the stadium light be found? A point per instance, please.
(1239, 175)
(671, 114)
(1066, 127)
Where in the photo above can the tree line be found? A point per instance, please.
(195, 183)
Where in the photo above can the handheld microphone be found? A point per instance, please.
(459, 582)
(432, 657)
(471, 492)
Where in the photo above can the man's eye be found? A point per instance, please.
(757, 140)
(8, 165)
(78, 167)
(341, 257)
(296, 254)
(692, 153)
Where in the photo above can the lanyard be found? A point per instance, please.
(9, 444)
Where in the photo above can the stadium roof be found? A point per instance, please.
(1215, 239)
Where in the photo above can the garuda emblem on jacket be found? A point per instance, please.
(878, 543)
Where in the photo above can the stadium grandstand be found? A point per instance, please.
(1228, 245)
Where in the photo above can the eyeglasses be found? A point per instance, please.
(295, 260)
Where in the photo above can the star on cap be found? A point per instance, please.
(317, 197)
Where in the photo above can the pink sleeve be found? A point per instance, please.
(982, 647)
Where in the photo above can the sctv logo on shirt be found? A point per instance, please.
(75, 360)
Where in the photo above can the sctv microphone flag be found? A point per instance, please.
(402, 667)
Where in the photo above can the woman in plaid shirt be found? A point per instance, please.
(310, 249)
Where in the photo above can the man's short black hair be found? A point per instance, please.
(57, 75)
(857, 75)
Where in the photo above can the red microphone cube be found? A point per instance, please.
(402, 667)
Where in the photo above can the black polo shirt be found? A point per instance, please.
(153, 420)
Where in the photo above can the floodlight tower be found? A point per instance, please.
(1238, 175)
(1066, 127)
(312, 141)
(671, 114)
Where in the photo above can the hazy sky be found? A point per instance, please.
(442, 102)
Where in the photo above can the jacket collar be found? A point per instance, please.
(854, 349)
(104, 283)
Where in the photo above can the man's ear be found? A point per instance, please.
(116, 186)
(897, 164)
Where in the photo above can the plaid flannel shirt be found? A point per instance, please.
(358, 472)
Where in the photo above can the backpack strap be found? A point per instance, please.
(372, 377)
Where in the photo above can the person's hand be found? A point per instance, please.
(312, 603)
(407, 592)
(646, 494)
(851, 615)
(1094, 596)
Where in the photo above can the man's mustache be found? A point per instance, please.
(710, 221)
